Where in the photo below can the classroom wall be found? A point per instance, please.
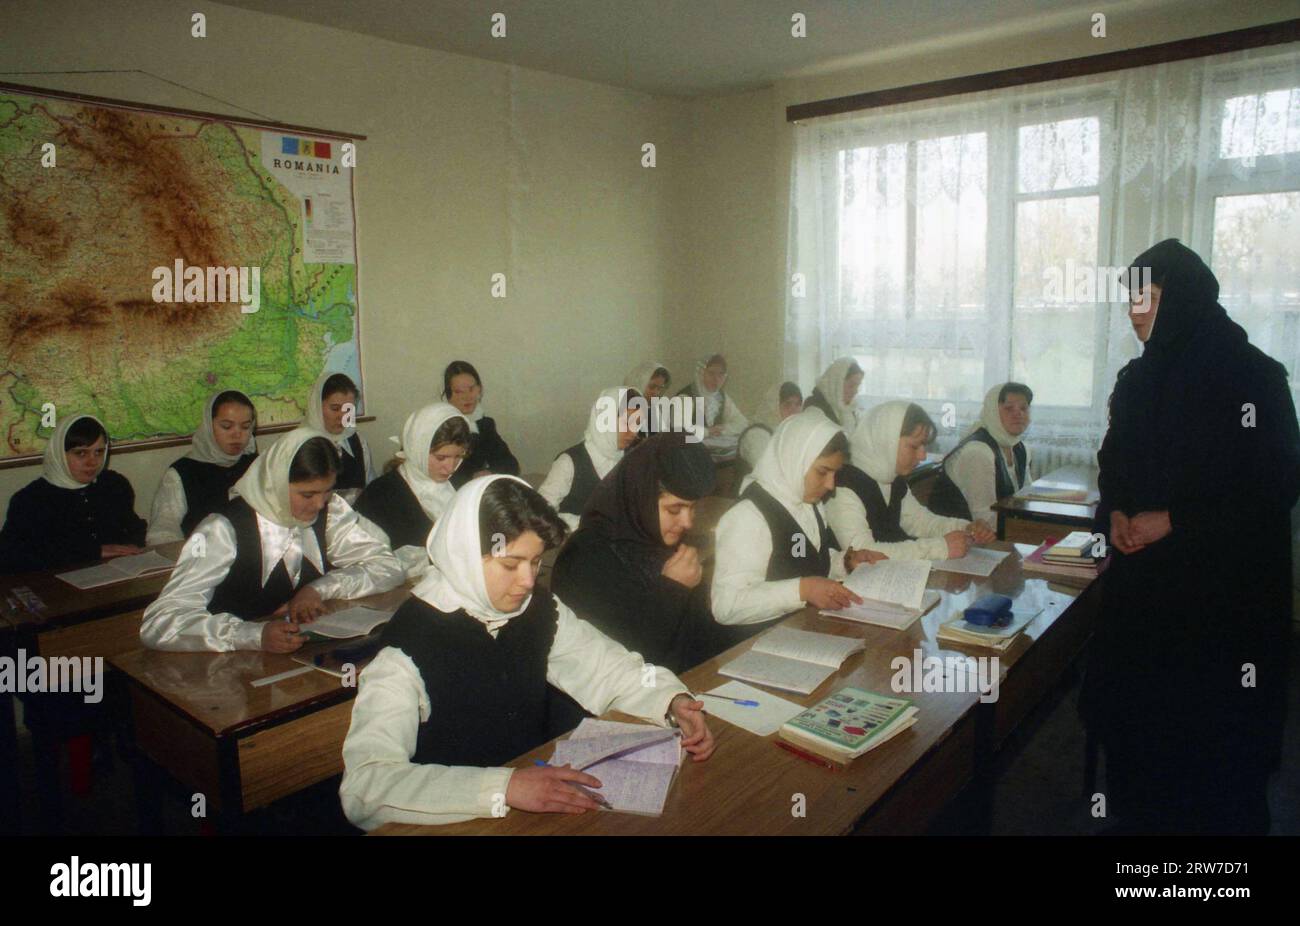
(741, 145)
(471, 168)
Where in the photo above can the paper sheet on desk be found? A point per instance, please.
(763, 720)
(977, 562)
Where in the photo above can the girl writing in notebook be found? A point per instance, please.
(991, 462)
(463, 388)
(775, 551)
(78, 511)
(405, 502)
(199, 483)
(626, 569)
(283, 545)
(834, 393)
(578, 470)
(332, 410)
(460, 687)
(874, 508)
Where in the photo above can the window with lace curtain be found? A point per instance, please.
(955, 244)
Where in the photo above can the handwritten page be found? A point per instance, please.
(763, 720)
(977, 562)
(635, 764)
(898, 582)
(349, 622)
(824, 649)
(583, 752)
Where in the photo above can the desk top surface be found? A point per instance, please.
(1064, 481)
(747, 787)
(66, 604)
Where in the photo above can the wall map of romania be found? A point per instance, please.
(131, 191)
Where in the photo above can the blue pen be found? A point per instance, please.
(742, 702)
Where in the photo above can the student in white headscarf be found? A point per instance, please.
(887, 444)
(405, 502)
(328, 407)
(460, 687)
(723, 421)
(779, 403)
(991, 462)
(282, 546)
(77, 511)
(650, 380)
(833, 395)
(199, 483)
(578, 470)
(775, 551)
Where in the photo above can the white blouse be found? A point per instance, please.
(741, 593)
(380, 782)
(556, 486)
(973, 471)
(179, 618)
(848, 518)
(169, 507)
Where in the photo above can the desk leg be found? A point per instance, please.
(984, 780)
(10, 818)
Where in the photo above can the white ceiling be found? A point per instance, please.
(685, 48)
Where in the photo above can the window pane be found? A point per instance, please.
(1260, 124)
(922, 373)
(1059, 155)
(872, 230)
(1258, 265)
(951, 220)
(1057, 290)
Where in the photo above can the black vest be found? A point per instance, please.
(783, 564)
(693, 393)
(207, 486)
(946, 497)
(817, 400)
(488, 696)
(241, 592)
(585, 480)
(884, 520)
(390, 503)
(352, 467)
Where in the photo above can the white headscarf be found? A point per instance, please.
(54, 464)
(455, 578)
(204, 446)
(873, 444)
(602, 444)
(639, 378)
(265, 486)
(831, 386)
(991, 420)
(417, 439)
(795, 445)
(316, 416)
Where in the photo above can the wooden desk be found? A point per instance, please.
(747, 787)
(100, 621)
(1031, 520)
(198, 716)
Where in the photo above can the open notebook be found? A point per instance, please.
(792, 660)
(355, 621)
(635, 763)
(118, 569)
(893, 593)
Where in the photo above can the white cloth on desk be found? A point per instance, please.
(179, 618)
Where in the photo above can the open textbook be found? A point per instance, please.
(792, 660)
(635, 763)
(893, 593)
(355, 621)
(118, 569)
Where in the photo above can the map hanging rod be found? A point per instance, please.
(262, 122)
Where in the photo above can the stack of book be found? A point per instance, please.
(1070, 558)
(848, 724)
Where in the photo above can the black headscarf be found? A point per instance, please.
(1189, 314)
(624, 509)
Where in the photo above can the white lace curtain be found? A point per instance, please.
(955, 244)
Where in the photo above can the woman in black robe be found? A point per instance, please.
(625, 569)
(1200, 468)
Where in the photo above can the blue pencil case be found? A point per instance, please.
(990, 611)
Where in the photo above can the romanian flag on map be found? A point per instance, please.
(302, 146)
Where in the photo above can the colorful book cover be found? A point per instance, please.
(850, 717)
